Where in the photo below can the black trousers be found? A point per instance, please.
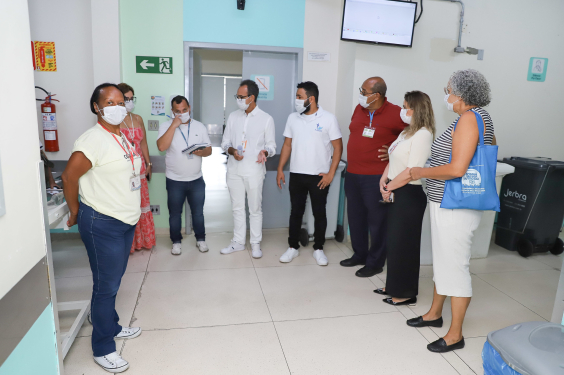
(367, 216)
(405, 218)
(300, 186)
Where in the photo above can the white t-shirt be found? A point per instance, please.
(311, 141)
(409, 153)
(178, 166)
(257, 132)
(106, 186)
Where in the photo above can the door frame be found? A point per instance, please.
(189, 59)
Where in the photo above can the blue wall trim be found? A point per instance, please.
(37, 352)
(277, 23)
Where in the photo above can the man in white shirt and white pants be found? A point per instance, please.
(313, 138)
(249, 138)
(184, 171)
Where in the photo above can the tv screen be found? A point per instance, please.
(379, 21)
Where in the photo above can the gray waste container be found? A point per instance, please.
(532, 348)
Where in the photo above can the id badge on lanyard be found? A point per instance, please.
(369, 130)
(135, 179)
(190, 156)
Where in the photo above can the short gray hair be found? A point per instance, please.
(471, 86)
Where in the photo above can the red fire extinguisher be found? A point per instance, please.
(50, 133)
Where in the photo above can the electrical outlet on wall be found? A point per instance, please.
(156, 209)
(154, 125)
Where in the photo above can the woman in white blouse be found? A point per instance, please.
(406, 199)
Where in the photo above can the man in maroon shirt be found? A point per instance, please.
(375, 124)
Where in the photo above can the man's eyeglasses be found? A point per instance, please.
(364, 93)
(241, 97)
(132, 99)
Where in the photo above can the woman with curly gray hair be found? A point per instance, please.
(452, 230)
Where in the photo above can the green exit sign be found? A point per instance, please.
(153, 64)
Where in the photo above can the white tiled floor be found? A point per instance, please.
(231, 314)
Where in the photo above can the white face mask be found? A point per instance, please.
(362, 100)
(129, 106)
(184, 117)
(114, 114)
(300, 105)
(404, 117)
(450, 106)
(242, 104)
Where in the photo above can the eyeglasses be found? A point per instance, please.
(364, 93)
(241, 97)
(132, 99)
(446, 91)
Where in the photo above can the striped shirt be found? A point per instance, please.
(442, 148)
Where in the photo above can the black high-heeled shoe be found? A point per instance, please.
(440, 346)
(381, 291)
(390, 301)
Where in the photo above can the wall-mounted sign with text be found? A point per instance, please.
(318, 56)
(153, 64)
(537, 69)
(44, 56)
(266, 86)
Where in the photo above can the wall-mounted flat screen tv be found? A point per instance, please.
(379, 21)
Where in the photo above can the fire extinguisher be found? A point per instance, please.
(49, 117)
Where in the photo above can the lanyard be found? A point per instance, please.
(132, 130)
(371, 117)
(187, 133)
(131, 152)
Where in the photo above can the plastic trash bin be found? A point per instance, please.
(482, 235)
(532, 206)
(332, 209)
(532, 348)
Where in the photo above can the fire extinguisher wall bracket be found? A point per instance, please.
(49, 117)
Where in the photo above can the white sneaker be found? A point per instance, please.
(112, 363)
(320, 257)
(202, 246)
(176, 249)
(257, 252)
(289, 255)
(233, 247)
(128, 333)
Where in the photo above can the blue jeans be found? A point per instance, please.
(178, 192)
(108, 242)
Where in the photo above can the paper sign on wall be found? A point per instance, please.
(45, 57)
(266, 86)
(537, 69)
(319, 56)
(157, 105)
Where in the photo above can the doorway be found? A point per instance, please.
(213, 73)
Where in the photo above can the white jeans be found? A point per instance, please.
(252, 187)
(451, 236)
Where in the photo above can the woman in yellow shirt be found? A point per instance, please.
(104, 171)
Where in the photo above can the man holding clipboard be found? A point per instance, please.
(186, 142)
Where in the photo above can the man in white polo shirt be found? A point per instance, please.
(249, 138)
(184, 171)
(313, 137)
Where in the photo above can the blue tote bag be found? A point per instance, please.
(475, 190)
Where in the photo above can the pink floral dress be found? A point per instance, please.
(145, 230)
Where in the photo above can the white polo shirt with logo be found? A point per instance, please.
(311, 141)
(178, 166)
